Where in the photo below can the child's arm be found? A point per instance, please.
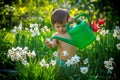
(71, 19)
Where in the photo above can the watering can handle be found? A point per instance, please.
(82, 14)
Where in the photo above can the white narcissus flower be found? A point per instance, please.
(85, 61)
(47, 65)
(42, 29)
(31, 54)
(24, 62)
(20, 54)
(114, 34)
(103, 32)
(43, 62)
(118, 37)
(18, 48)
(53, 62)
(36, 25)
(55, 54)
(75, 59)
(117, 32)
(109, 65)
(33, 34)
(20, 27)
(13, 49)
(26, 29)
(111, 59)
(31, 30)
(36, 30)
(68, 62)
(46, 29)
(118, 46)
(98, 38)
(31, 25)
(65, 53)
(14, 31)
(83, 70)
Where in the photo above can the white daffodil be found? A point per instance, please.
(55, 54)
(109, 65)
(24, 62)
(65, 53)
(43, 62)
(20, 27)
(85, 61)
(117, 32)
(118, 46)
(31, 25)
(114, 34)
(19, 53)
(75, 59)
(47, 65)
(98, 38)
(31, 54)
(36, 25)
(111, 59)
(104, 32)
(68, 62)
(84, 70)
(53, 62)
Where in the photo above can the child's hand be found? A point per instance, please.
(71, 19)
(48, 43)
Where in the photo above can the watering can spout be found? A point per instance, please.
(69, 41)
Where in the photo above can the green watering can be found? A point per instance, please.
(81, 34)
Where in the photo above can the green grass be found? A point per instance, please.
(97, 53)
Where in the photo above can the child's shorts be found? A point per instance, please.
(61, 63)
(64, 68)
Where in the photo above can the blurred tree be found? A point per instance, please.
(110, 11)
(5, 13)
(39, 10)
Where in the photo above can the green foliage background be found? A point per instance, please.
(39, 11)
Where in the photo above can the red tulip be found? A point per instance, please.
(100, 21)
(95, 27)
